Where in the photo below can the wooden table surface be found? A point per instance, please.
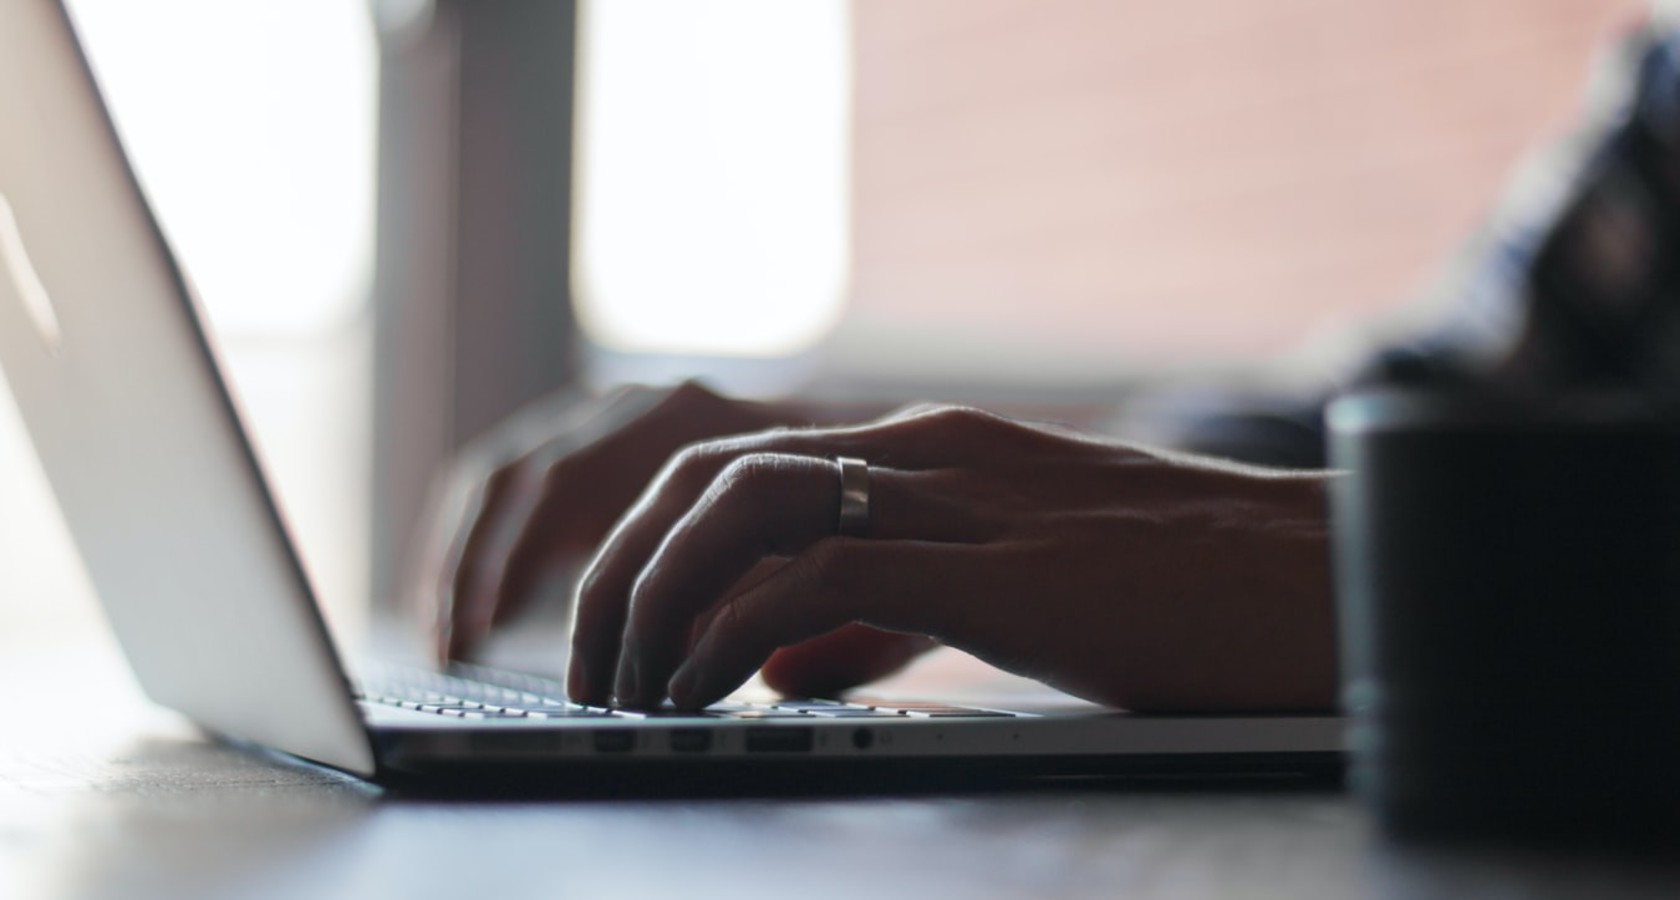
(102, 795)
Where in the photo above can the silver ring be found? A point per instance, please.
(854, 497)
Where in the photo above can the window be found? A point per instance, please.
(250, 125)
(1056, 193)
(712, 174)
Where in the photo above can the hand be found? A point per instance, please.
(1117, 574)
(527, 504)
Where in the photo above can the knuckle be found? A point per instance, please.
(693, 464)
(511, 478)
(732, 619)
(748, 476)
(828, 567)
(942, 430)
(914, 410)
(690, 391)
(642, 609)
(955, 419)
(599, 584)
(502, 477)
(557, 472)
(744, 627)
(970, 417)
(589, 585)
(639, 590)
(686, 458)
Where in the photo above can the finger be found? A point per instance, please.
(461, 501)
(830, 664)
(428, 572)
(588, 488)
(925, 440)
(602, 600)
(462, 520)
(904, 586)
(458, 500)
(604, 591)
(470, 514)
(539, 546)
(763, 505)
(507, 501)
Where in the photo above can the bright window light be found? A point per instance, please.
(712, 174)
(252, 126)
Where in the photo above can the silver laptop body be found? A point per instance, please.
(107, 357)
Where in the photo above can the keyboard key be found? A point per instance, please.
(853, 712)
(555, 713)
(682, 714)
(957, 714)
(807, 704)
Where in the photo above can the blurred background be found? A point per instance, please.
(407, 218)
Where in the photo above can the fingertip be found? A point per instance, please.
(682, 688)
(626, 685)
(468, 636)
(697, 685)
(591, 669)
(578, 686)
(457, 645)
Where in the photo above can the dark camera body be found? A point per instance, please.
(1508, 581)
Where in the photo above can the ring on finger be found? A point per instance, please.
(854, 497)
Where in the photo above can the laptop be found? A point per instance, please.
(118, 384)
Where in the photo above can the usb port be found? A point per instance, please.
(780, 739)
(690, 740)
(614, 740)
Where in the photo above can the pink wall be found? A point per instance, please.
(1195, 178)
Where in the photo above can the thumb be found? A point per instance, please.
(844, 658)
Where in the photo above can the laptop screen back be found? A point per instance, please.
(104, 352)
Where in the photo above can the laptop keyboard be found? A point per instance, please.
(477, 692)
